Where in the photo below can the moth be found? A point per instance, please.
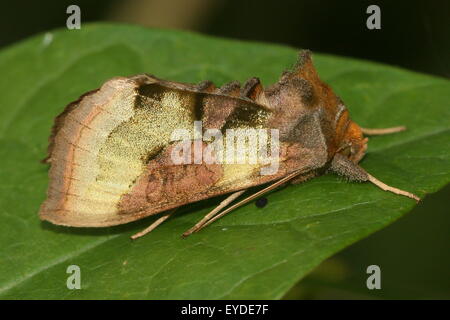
(112, 151)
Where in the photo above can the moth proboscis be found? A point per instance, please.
(112, 151)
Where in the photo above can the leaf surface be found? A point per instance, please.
(251, 253)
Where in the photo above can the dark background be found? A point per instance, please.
(414, 34)
(413, 253)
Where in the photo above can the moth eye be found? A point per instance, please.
(346, 151)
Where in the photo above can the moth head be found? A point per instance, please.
(353, 144)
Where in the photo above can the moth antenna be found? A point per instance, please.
(213, 212)
(153, 226)
(250, 198)
(382, 131)
(385, 187)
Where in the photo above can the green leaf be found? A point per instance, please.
(250, 253)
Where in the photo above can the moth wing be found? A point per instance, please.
(110, 150)
(102, 143)
(165, 185)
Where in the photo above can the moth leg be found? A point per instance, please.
(377, 132)
(211, 214)
(385, 187)
(250, 198)
(344, 167)
(152, 226)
